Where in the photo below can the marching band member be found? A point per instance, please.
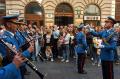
(107, 47)
(11, 71)
(11, 37)
(81, 46)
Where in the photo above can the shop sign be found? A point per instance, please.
(2, 6)
(91, 17)
(14, 12)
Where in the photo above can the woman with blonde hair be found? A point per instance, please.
(66, 51)
(48, 40)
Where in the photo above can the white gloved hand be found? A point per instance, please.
(91, 29)
(86, 51)
(101, 46)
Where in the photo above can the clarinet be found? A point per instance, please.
(26, 44)
(39, 55)
(28, 62)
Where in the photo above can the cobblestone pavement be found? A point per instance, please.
(62, 70)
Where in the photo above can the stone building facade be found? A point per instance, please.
(2, 8)
(117, 10)
(50, 12)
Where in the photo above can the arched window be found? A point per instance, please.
(34, 14)
(33, 8)
(92, 10)
(64, 14)
(64, 7)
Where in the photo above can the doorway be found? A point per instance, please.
(64, 14)
(34, 14)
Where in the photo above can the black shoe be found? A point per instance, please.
(117, 62)
(27, 73)
(84, 72)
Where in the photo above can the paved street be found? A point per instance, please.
(58, 70)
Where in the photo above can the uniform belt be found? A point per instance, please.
(79, 45)
(65, 44)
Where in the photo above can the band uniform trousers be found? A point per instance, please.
(107, 69)
(81, 62)
(107, 52)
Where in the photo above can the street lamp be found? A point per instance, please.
(78, 12)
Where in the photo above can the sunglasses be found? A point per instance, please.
(108, 21)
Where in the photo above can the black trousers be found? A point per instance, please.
(107, 69)
(22, 71)
(55, 48)
(81, 62)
